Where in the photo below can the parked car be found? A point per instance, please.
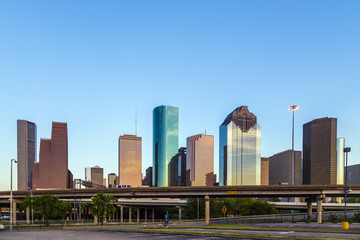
(2, 226)
(4, 217)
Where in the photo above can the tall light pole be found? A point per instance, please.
(293, 108)
(346, 151)
(11, 202)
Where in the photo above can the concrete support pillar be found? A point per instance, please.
(146, 214)
(179, 213)
(153, 214)
(129, 214)
(138, 215)
(28, 215)
(95, 219)
(309, 210)
(319, 210)
(207, 210)
(121, 214)
(14, 212)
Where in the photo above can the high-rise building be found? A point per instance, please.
(149, 176)
(340, 145)
(88, 174)
(200, 159)
(112, 179)
(182, 166)
(97, 175)
(52, 169)
(264, 171)
(173, 171)
(319, 151)
(165, 142)
(280, 168)
(26, 153)
(130, 160)
(353, 174)
(240, 149)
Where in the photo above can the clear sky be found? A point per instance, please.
(91, 63)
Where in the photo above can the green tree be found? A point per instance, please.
(51, 207)
(103, 206)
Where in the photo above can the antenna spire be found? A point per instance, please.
(136, 121)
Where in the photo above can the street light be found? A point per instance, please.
(293, 108)
(11, 202)
(346, 150)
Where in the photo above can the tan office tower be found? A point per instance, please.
(319, 151)
(97, 175)
(52, 169)
(130, 160)
(280, 168)
(112, 179)
(26, 153)
(200, 160)
(264, 171)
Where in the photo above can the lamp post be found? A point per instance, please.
(11, 202)
(346, 151)
(293, 108)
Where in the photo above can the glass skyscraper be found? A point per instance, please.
(165, 142)
(240, 149)
(340, 145)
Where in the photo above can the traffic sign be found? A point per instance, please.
(224, 209)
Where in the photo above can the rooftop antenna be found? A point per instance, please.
(136, 121)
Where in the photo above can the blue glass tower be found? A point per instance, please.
(165, 142)
(239, 153)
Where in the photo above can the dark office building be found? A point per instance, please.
(353, 174)
(149, 174)
(26, 153)
(182, 166)
(280, 168)
(319, 151)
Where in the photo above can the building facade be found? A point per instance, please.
(97, 175)
(200, 159)
(26, 153)
(264, 171)
(181, 166)
(319, 151)
(112, 179)
(280, 168)
(240, 149)
(165, 142)
(149, 176)
(130, 160)
(52, 169)
(340, 145)
(353, 174)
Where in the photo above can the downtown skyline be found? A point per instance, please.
(80, 71)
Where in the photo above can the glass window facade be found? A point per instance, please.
(240, 151)
(340, 161)
(165, 142)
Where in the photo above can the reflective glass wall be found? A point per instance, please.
(239, 155)
(165, 142)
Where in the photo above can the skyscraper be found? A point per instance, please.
(182, 166)
(130, 160)
(26, 153)
(340, 145)
(319, 151)
(280, 168)
(200, 159)
(52, 169)
(165, 142)
(112, 179)
(239, 153)
(264, 171)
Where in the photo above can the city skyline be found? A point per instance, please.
(62, 64)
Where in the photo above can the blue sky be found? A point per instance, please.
(91, 63)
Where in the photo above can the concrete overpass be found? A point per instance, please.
(312, 193)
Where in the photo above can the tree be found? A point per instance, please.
(51, 207)
(103, 206)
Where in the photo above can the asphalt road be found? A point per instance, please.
(88, 235)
